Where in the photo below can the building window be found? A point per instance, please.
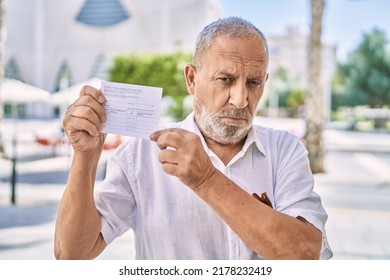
(100, 68)
(12, 70)
(64, 77)
(102, 13)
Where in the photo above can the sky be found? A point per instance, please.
(344, 21)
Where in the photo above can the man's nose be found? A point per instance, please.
(239, 95)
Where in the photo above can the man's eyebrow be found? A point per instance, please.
(255, 78)
(224, 73)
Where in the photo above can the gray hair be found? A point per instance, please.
(231, 26)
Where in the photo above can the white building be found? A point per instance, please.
(289, 51)
(52, 44)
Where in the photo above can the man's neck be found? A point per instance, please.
(225, 152)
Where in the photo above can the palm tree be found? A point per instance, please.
(314, 99)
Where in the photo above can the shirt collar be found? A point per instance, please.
(253, 135)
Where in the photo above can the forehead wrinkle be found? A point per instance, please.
(235, 57)
(236, 67)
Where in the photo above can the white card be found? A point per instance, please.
(131, 110)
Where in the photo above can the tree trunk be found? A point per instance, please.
(314, 99)
(1, 71)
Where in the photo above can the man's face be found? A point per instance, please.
(228, 87)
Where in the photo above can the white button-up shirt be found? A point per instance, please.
(171, 222)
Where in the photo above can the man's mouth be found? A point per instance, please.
(234, 121)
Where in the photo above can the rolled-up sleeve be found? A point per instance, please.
(294, 191)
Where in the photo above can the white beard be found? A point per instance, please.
(218, 130)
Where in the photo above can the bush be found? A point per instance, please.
(157, 70)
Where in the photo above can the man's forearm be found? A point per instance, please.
(269, 233)
(78, 223)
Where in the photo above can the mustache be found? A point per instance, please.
(234, 113)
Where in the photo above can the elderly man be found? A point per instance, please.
(187, 193)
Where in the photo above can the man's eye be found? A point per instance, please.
(255, 83)
(225, 79)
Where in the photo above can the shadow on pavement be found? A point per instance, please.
(50, 177)
(24, 245)
(47, 177)
(21, 216)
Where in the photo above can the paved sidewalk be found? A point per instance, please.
(27, 228)
(355, 191)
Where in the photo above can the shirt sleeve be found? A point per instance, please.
(294, 192)
(114, 198)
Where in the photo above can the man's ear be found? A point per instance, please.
(189, 74)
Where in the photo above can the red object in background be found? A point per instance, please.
(43, 141)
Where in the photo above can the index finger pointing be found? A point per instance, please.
(95, 93)
(155, 135)
(169, 138)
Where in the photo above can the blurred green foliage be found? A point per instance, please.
(157, 70)
(365, 77)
